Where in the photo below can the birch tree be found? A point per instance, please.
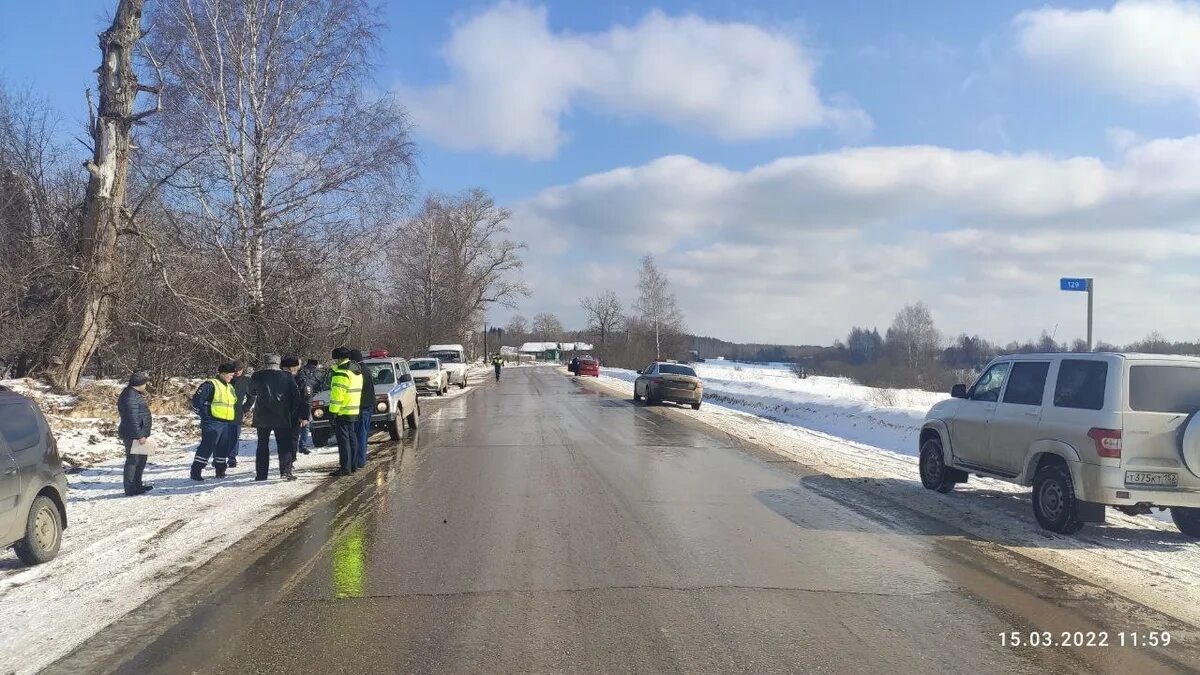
(656, 304)
(286, 162)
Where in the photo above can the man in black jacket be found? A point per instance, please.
(366, 409)
(276, 401)
(310, 381)
(243, 388)
(291, 365)
(134, 428)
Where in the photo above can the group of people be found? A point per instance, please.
(279, 395)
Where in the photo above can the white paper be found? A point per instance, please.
(143, 447)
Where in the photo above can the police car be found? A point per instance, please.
(395, 399)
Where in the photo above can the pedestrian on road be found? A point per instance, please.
(308, 380)
(276, 400)
(291, 364)
(134, 428)
(243, 389)
(573, 366)
(214, 401)
(345, 397)
(366, 409)
(497, 362)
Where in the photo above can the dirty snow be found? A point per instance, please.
(834, 426)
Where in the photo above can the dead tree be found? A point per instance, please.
(111, 128)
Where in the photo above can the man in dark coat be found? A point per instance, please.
(244, 389)
(276, 401)
(309, 380)
(366, 409)
(134, 428)
(291, 364)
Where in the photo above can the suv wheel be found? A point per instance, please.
(1187, 520)
(414, 417)
(393, 427)
(935, 475)
(43, 533)
(1054, 503)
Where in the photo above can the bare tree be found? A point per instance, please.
(111, 129)
(40, 194)
(517, 325)
(914, 335)
(604, 315)
(656, 304)
(453, 260)
(279, 169)
(546, 327)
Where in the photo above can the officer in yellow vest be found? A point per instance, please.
(345, 396)
(214, 402)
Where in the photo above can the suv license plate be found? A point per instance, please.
(1151, 478)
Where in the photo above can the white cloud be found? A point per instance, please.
(1144, 50)
(801, 248)
(513, 79)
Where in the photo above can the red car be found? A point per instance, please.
(589, 366)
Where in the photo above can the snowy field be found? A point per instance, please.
(119, 551)
(864, 438)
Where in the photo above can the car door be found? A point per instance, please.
(1015, 423)
(21, 450)
(408, 393)
(640, 385)
(10, 491)
(969, 434)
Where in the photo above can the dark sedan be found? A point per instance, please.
(665, 381)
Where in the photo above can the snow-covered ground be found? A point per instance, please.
(119, 551)
(864, 438)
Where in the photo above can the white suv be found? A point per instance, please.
(1085, 430)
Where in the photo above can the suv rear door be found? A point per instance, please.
(1014, 425)
(10, 492)
(20, 436)
(969, 432)
(1161, 395)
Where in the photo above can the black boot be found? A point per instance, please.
(220, 471)
(196, 469)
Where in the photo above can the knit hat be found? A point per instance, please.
(138, 379)
(229, 367)
(290, 362)
(271, 359)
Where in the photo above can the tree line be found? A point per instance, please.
(250, 196)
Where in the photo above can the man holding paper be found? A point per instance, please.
(134, 431)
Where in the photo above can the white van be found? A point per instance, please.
(1084, 430)
(454, 362)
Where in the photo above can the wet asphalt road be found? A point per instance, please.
(535, 526)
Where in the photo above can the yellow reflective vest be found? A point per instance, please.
(345, 391)
(223, 400)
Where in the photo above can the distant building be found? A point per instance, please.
(553, 351)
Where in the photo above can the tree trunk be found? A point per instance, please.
(105, 198)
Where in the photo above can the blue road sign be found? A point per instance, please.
(1073, 284)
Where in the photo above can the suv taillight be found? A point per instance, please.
(1108, 441)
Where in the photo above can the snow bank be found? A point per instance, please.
(884, 418)
(831, 425)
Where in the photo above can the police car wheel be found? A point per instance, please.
(393, 427)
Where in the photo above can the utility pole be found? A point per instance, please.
(1079, 285)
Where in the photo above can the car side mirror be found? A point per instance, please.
(407, 377)
(959, 391)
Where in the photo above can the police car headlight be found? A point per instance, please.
(319, 413)
(381, 406)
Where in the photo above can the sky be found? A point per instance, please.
(797, 168)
